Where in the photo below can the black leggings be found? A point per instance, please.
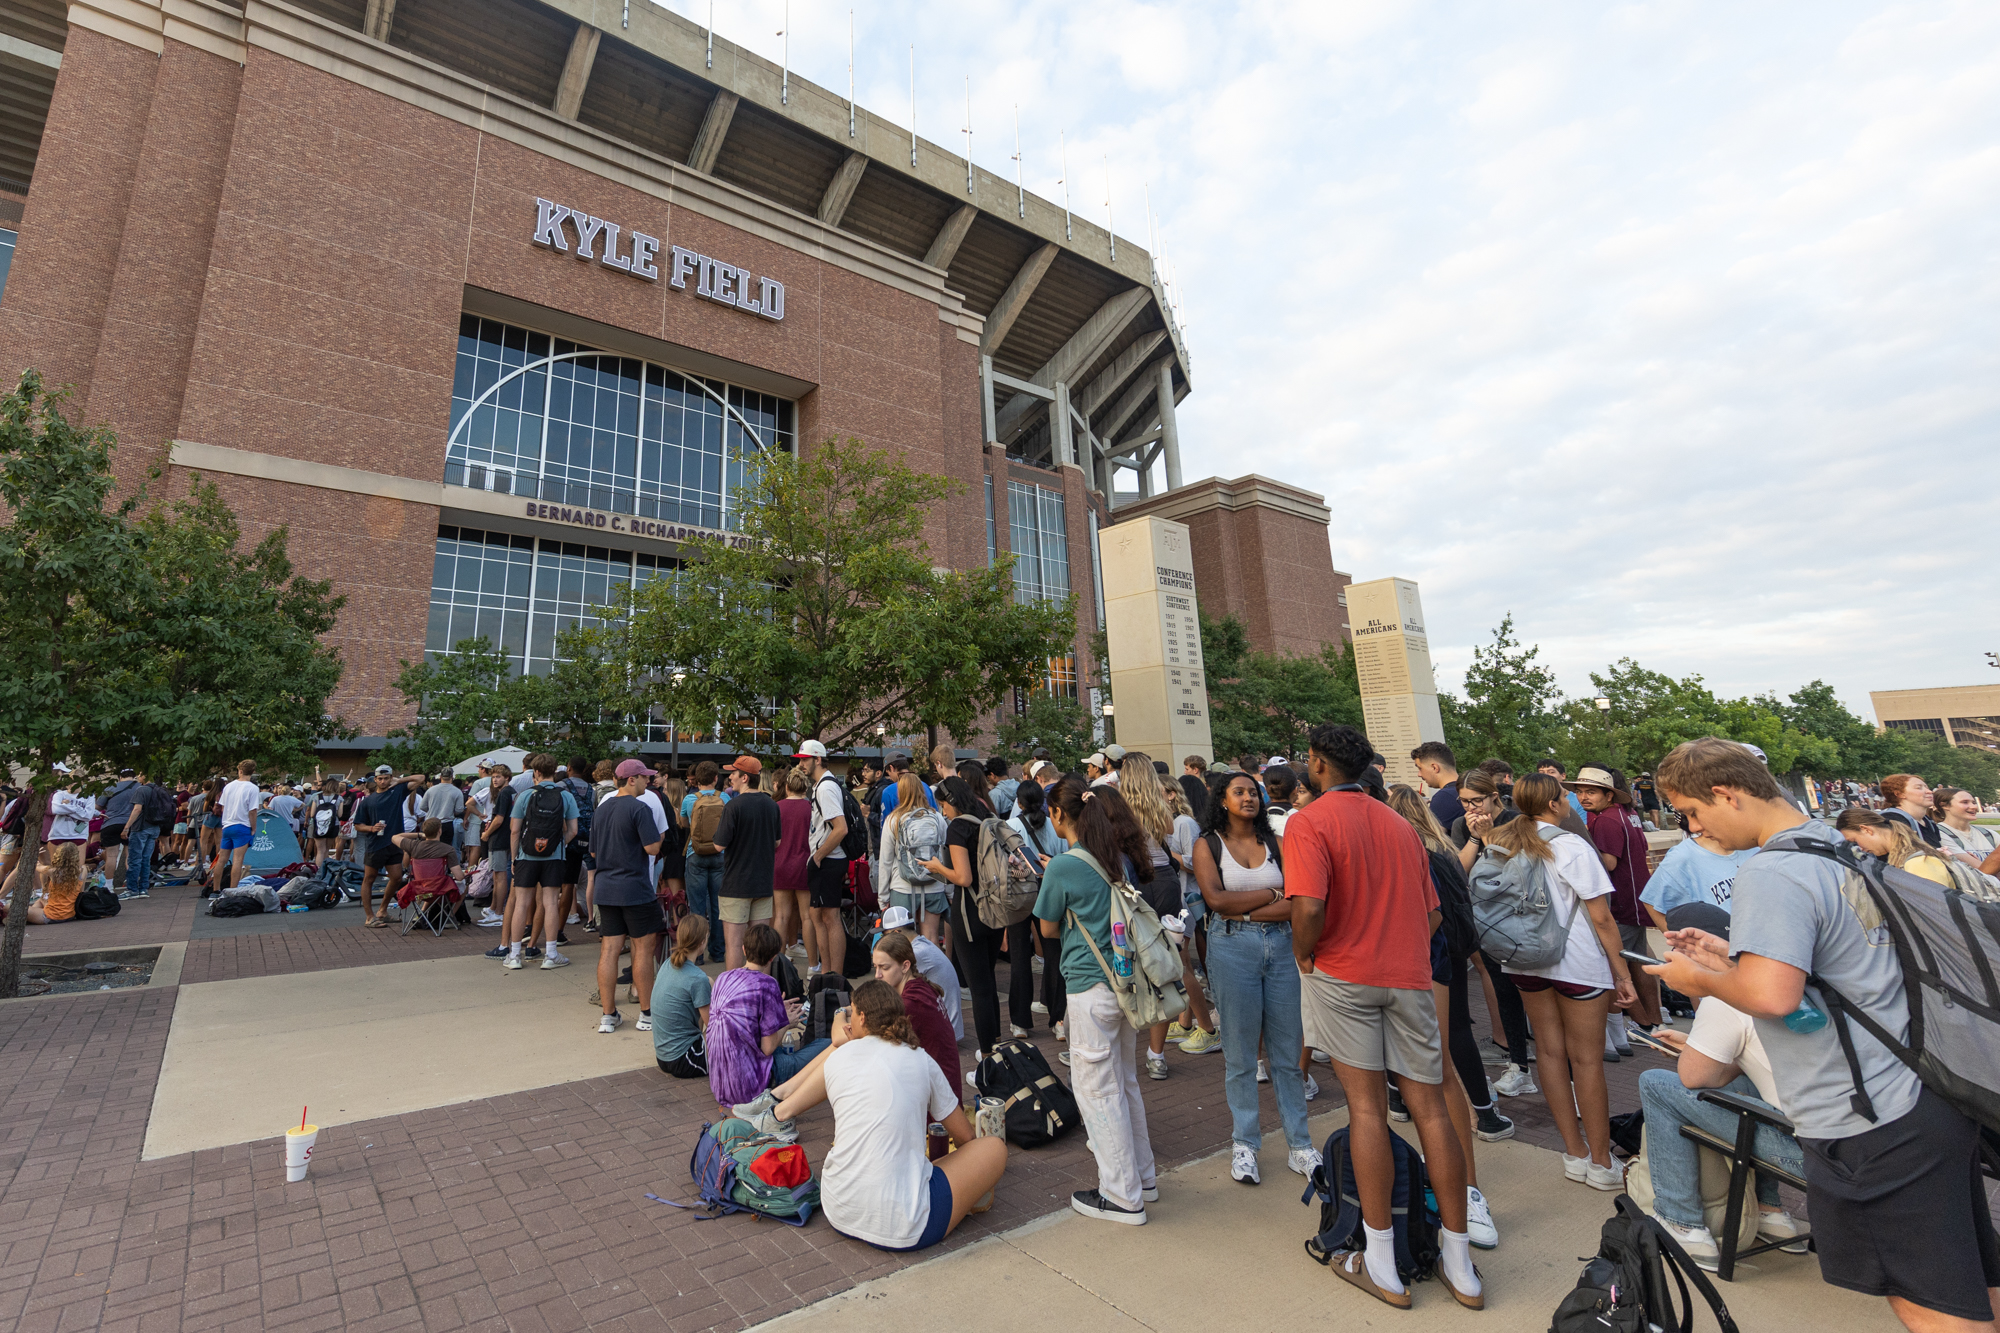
(980, 959)
(1464, 1046)
(1513, 1017)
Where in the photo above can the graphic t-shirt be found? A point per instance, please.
(1364, 861)
(876, 1185)
(748, 833)
(619, 833)
(678, 996)
(745, 1006)
(1690, 873)
(239, 803)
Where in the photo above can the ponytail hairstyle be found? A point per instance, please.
(1535, 794)
(690, 939)
(897, 945)
(1104, 826)
(1031, 805)
(886, 1016)
(1903, 844)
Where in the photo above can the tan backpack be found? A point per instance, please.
(702, 819)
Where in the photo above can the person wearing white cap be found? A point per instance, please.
(933, 965)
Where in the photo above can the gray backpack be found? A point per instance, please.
(919, 838)
(1514, 907)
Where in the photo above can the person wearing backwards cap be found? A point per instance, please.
(625, 836)
(747, 836)
(1620, 840)
(826, 863)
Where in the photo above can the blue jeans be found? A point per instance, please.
(1255, 983)
(139, 859)
(787, 1061)
(1676, 1160)
(704, 890)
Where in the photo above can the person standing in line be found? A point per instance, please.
(1363, 911)
(542, 828)
(1620, 841)
(701, 812)
(1568, 1000)
(240, 800)
(1239, 866)
(790, 909)
(1074, 907)
(1893, 1183)
(624, 838)
(747, 836)
(1907, 799)
(1438, 767)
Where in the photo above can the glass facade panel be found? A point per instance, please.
(600, 431)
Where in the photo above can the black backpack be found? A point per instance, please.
(1040, 1106)
(542, 823)
(854, 842)
(1624, 1288)
(1415, 1219)
(95, 902)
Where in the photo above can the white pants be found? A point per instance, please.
(1104, 1074)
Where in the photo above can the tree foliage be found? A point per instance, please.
(822, 614)
(1264, 703)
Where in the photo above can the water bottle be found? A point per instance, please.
(1806, 1019)
(1121, 950)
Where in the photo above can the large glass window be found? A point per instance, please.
(602, 432)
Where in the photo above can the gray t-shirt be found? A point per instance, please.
(1789, 908)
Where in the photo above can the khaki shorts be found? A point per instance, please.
(1373, 1027)
(742, 911)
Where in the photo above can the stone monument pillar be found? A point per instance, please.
(1154, 634)
(1392, 656)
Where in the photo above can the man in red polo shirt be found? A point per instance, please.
(1363, 910)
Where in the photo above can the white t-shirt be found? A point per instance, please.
(827, 807)
(1729, 1036)
(934, 967)
(240, 800)
(1576, 875)
(876, 1184)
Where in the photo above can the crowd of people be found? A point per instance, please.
(1320, 914)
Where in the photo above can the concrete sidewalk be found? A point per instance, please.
(1217, 1255)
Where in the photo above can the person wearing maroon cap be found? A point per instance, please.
(747, 836)
(624, 837)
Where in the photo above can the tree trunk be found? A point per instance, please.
(17, 905)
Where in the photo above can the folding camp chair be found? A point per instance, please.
(430, 897)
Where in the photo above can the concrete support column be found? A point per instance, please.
(1170, 438)
(1062, 432)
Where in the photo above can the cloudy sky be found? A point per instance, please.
(1670, 328)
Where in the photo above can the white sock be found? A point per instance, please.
(1458, 1261)
(1381, 1259)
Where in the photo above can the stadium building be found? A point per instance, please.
(479, 296)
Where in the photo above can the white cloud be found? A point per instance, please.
(1670, 328)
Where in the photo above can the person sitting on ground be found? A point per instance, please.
(1893, 841)
(1722, 1051)
(681, 994)
(61, 883)
(747, 1016)
(878, 1184)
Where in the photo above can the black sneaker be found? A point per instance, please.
(1397, 1111)
(1491, 1125)
(1092, 1204)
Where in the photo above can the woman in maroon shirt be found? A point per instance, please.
(896, 964)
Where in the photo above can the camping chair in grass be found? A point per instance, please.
(430, 896)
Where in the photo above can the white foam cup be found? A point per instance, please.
(299, 1150)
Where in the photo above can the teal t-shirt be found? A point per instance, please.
(1069, 885)
(678, 996)
(521, 810)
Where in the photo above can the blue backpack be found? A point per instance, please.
(1415, 1212)
(725, 1184)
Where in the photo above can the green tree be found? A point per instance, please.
(1265, 703)
(1512, 709)
(823, 615)
(1054, 721)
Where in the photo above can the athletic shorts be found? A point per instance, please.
(742, 911)
(240, 835)
(1373, 1027)
(1569, 990)
(1900, 1210)
(634, 920)
(539, 874)
(384, 854)
(826, 883)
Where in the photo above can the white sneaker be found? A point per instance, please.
(1263, 1070)
(1243, 1164)
(1780, 1225)
(552, 961)
(1312, 1087)
(1038, 1008)
(1156, 1064)
(1303, 1160)
(1575, 1168)
(1610, 1179)
(610, 1022)
(1699, 1242)
(1479, 1219)
(1516, 1082)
